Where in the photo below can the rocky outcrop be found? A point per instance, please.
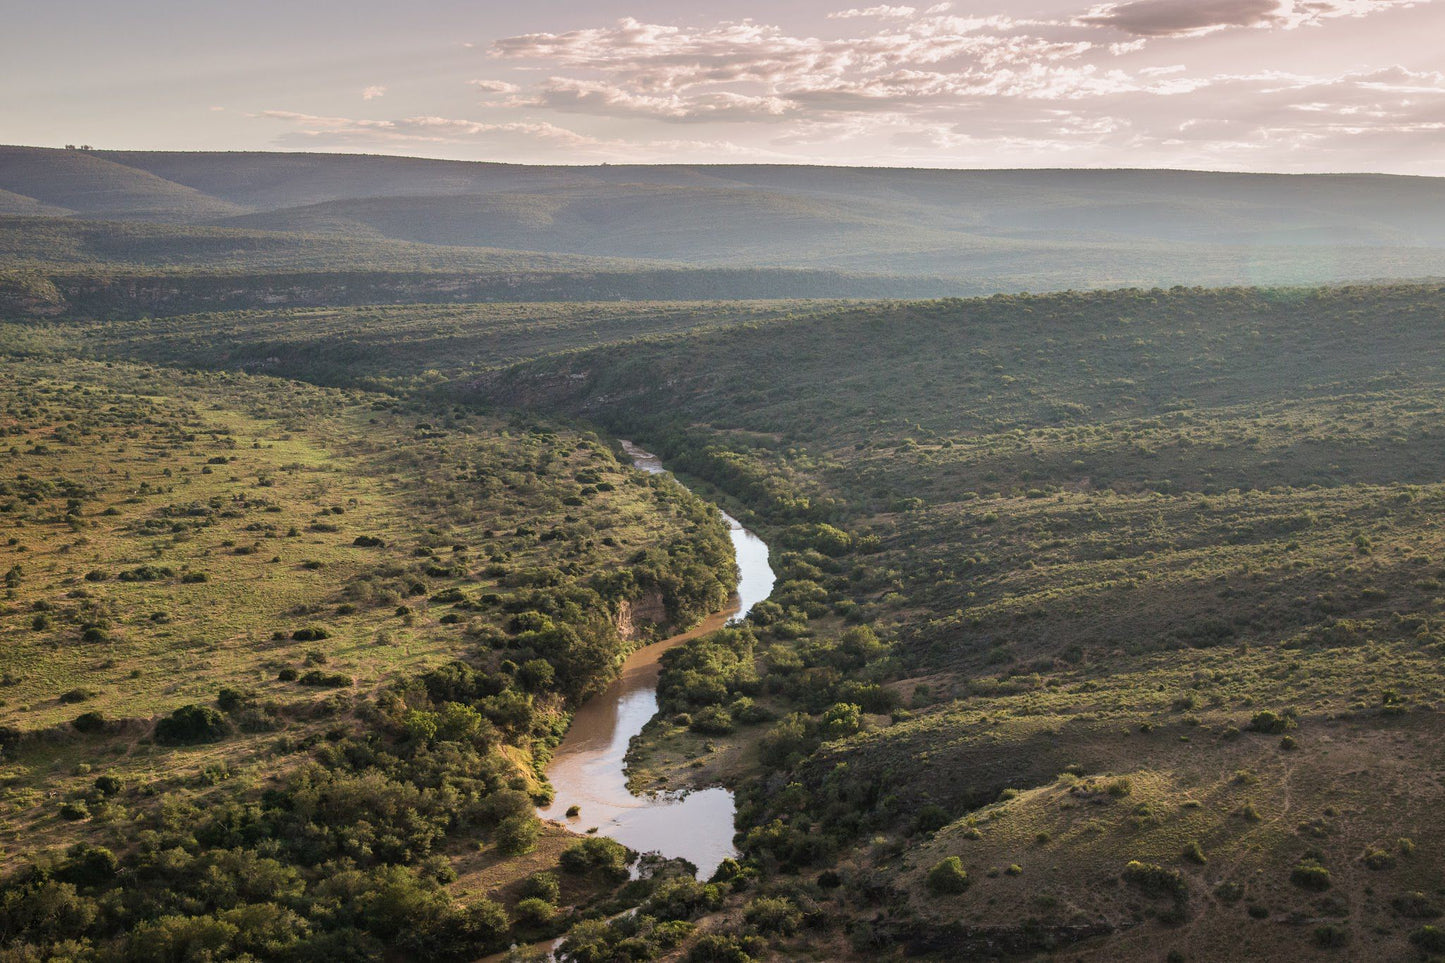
(641, 617)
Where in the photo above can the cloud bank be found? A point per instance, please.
(1132, 82)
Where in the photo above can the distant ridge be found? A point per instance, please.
(974, 230)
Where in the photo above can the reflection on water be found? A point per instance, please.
(587, 768)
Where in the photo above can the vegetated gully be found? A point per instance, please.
(588, 770)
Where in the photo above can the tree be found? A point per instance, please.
(517, 834)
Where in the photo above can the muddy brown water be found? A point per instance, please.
(588, 770)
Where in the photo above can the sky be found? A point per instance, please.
(1255, 85)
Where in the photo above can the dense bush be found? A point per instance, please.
(773, 916)
(947, 876)
(1310, 875)
(1156, 880)
(191, 724)
(597, 856)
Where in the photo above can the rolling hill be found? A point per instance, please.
(977, 231)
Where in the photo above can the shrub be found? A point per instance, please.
(747, 711)
(1430, 939)
(534, 912)
(88, 865)
(75, 810)
(597, 856)
(326, 680)
(931, 818)
(1331, 937)
(73, 696)
(1195, 853)
(230, 698)
(314, 633)
(107, 785)
(192, 724)
(543, 886)
(1269, 722)
(790, 739)
(1156, 880)
(773, 915)
(842, 719)
(517, 834)
(713, 721)
(721, 948)
(536, 675)
(682, 898)
(1416, 906)
(88, 722)
(147, 573)
(947, 876)
(1310, 875)
(1229, 892)
(287, 674)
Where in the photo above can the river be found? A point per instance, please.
(588, 770)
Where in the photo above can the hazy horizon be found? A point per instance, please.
(406, 155)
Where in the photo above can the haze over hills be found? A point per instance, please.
(966, 232)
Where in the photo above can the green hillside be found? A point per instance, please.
(282, 662)
(408, 346)
(1156, 577)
